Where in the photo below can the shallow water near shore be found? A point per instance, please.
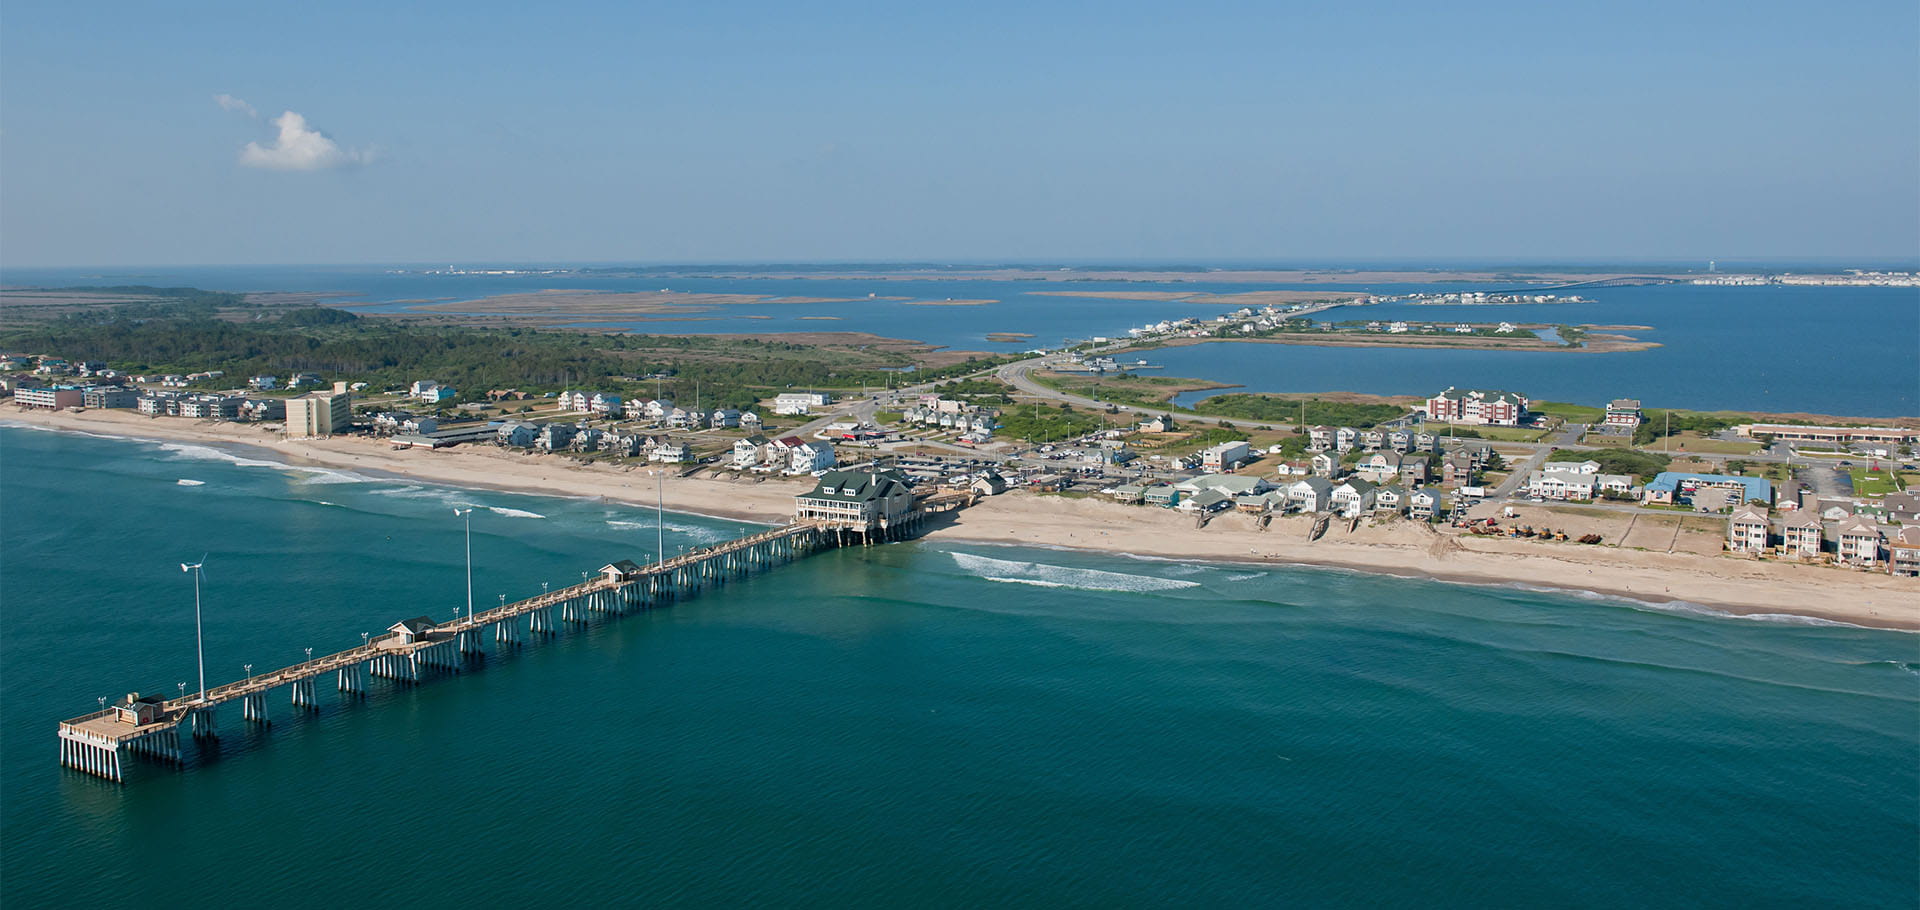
(919, 724)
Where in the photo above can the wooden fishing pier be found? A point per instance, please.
(413, 650)
(863, 507)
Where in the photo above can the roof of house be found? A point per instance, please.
(1857, 526)
(858, 486)
(1454, 394)
(1749, 516)
(1902, 502)
(1209, 497)
(1801, 518)
(413, 626)
(1232, 484)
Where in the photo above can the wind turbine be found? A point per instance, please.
(198, 570)
(467, 513)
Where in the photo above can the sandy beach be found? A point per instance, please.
(1747, 587)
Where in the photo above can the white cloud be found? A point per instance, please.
(300, 147)
(229, 103)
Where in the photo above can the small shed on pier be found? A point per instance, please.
(623, 571)
(139, 709)
(412, 630)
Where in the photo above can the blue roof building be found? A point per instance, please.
(1676, 487)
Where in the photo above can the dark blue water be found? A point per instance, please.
(1844, 351)
(915, 724)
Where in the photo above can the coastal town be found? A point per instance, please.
(1461, 462)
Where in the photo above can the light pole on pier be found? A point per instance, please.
(249, 669)
(467, 513)
(309, 655)
(659, 519)
(198, 570)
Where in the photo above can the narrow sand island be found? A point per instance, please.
(1399, 548)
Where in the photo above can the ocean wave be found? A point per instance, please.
(1683, 607)
(189, 451)
(514, 513)
(1044, 575)
(696, 532)
(190, 483)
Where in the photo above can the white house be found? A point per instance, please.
(1352, 497)
(809, 457)
(1310, 495)
(799, 402)
(671, 453)
(747, 452)
(1226, 455)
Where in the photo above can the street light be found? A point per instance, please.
(309, 654)
(199, 641)
(363, 639)
(249, 669)
(467, 513)
(183, 689)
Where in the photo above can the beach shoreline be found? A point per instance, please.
(1400, 548)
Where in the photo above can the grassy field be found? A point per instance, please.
(1874, 483)
(1135, 390)
(1575, 413)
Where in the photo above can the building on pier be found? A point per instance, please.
(621, 572)
(868, 500)
(137, 709)
(412, 630)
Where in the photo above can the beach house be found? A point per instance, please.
(1859, 542)
(1903, 552)
(1747, 530)
(1801, 534)
(1478, 406)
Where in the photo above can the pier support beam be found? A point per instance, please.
(303, 694)
(352, 678)
(254, 708)
(201, 723)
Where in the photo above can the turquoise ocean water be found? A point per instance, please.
(912, 725)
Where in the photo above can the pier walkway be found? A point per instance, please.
(98, 743)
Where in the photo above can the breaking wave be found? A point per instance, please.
(514, 513)
(1046, 576)
(696, 532)
(190, 483)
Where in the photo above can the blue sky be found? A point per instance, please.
(743, 132)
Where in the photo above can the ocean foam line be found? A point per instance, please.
(1009, 570)
(1676, 607)
(696, 532)
(1681, 607)
(190, 483)
(514, 513)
